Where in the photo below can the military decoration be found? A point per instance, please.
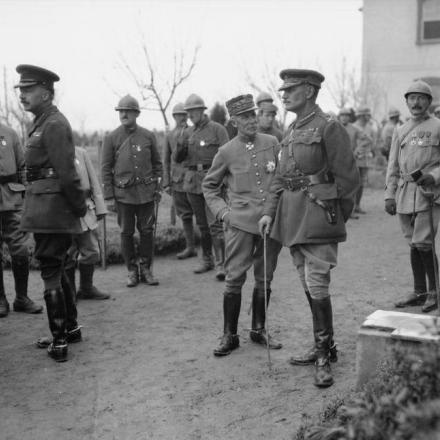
(3, 141)
(249, 146)
(202, 143)
(270, 166)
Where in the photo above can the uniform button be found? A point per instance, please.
(259, 182)
(254, 156)
(255, 164)
(135, 166)
(257, 174)
(264, 199)
(261, 190)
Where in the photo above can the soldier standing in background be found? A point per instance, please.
(54, 201)
(196, 150)
(246, 165)
(130, 170)
(413, 170)
(388, 130)
(174, 174)
(310, 198)
(267, 113)
(437, 112)
(11, 203)
(263, 97)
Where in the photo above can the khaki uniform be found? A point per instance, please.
(387, 137)
(273, 131)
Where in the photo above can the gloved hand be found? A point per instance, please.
(425, 180)
(390, 206)
(264, 224)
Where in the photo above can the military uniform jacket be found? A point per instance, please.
(92, 189)
(174, 173)
(273, 131)
(54, 204)
(203, 142)
(12, 165)
(130, 165)
(415, 146)
(365, 144)
(315, 145)
(247, 171)
(387, 136)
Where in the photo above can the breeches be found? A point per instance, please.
(183, 207)
(243, 250)
(10, 233)
(363, 173)
(204, 217)
(85, 248)
(418, 234)
(314, 262)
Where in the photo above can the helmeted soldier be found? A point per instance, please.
(267, 113)
(54, 201)
(414, 172)
(310, 198)
(437, 112)
(245, 165)
(196, 150)
(11, 204)
(131, 169)
(263, 98)
(388, 130)
(173, 177)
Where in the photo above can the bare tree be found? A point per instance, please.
(157, 90)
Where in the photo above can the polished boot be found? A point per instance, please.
(428, 261)
(4, 305)
(86, 288)
(56, 314)
(20, 271)
(146, 276)
(258, 333)
(231, 312)
(417, 297)
(72, 328)
(207, 263)
(309, 357)
(189, 251)
(219, 257)
(323, 331)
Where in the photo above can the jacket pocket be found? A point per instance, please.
(241, 182)
(16, 187)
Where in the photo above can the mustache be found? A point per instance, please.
(416, 107)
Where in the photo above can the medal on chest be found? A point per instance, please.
(137, 147)
(3, 141)
(202, 143)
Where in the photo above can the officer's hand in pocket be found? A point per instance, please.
(390, 206)
(264, 224)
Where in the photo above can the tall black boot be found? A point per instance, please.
(417, 297)
(4, 305)
(231, 312)
(428, 262)
(20, 270)
(56, 314)
(86, 288)
(323, 331)
(258, 332)
(207, 263)
(188, 231)
(72, 327)
(219, 257)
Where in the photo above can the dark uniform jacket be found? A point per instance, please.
(313, 209)
(197, 152)
(11, 169)
(53, 204)
(174, 172)
(130, 165)
(247, 172)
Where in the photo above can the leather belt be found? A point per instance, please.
(40, 173)
(298, 182)
(199, 167)
(8, 178)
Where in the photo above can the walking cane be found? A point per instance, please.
(265, 296)
(156, 212)
(430, 196)
(103, 248)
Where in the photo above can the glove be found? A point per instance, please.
(390, 206)
(425, 180)
(264, 224)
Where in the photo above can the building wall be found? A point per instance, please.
(392, 57)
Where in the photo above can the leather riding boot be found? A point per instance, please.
(258, 333)
(207, 263)
(323, 331)
(20, 271)
(4, 305)
(145, 274)
(231, 312)
(188, 232)
(56, 314)
(86, 288)
(219, 257)
(428, 262)
(309, 357)
(70, 303)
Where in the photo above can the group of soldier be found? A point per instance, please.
(250, 194)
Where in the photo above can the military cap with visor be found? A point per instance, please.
(240, 104)
(268, 107)
(296, 77)
(421, 87)
(128, 103)
(33, 75)
(393, 112)
(361, 111)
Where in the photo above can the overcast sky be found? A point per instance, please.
(84, 41)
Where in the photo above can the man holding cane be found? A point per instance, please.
(413, 189)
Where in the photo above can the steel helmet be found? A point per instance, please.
(363, 111)
(128, 103)
(419, 86)
(437, 109)
(345, 111)
(178, 109)
(393, 112)
(263, 97)
(194, 101)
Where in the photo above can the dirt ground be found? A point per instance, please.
(145, 369)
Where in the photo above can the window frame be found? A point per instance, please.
(420, 39)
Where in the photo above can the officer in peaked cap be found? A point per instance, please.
(240, 211)
(131, 169)
(413, 175)
(196, 150)
(310, 198)
(54, 201)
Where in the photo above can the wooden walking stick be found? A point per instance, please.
(265, 296)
